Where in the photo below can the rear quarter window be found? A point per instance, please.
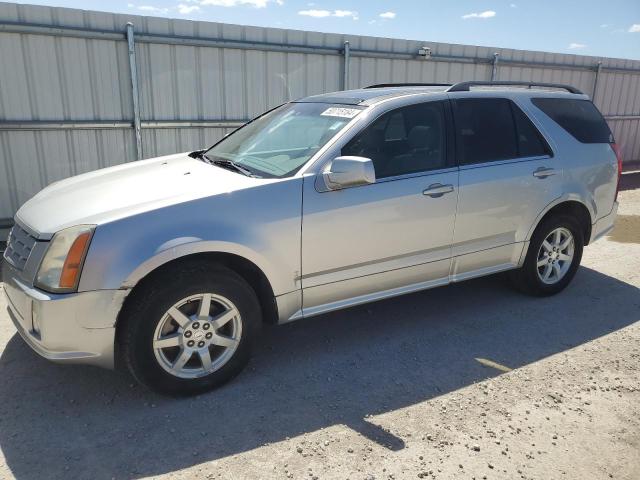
(580, 118)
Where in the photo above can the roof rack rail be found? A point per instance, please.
(466, 86)
(386, 85)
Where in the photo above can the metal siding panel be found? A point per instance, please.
(27, 171)
(332, 73)
(43, 77)
(234, 94)
(314, 74)
(159, 83)
(75, 79)
(14, 96)
(634, 87)
(47, 78)
(186, 83)
(627, 135)
(295, 63)
(59, 162)
(110, 80)
(8, 200)
(255, 75)
(211, 83)
(9, 12)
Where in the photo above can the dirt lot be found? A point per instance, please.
(467, 381)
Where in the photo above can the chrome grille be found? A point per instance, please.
(19, 246)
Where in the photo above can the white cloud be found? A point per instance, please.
(513, 5)
(485, 14)
(344, 13)
(234, 3)
(315, 13)
(576, 46)
(604, 25)
(635, 28)
(187, 9)
(388, 15)
(152, 9)
(328, 13)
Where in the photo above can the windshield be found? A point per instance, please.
(278, 143)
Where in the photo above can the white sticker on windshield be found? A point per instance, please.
(341, 112)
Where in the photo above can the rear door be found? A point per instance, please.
(507, 177)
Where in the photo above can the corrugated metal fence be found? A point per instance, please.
(82, 90)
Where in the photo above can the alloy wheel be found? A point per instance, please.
(197, 335)
(555, 256)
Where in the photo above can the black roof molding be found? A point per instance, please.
(391, 85)
(466, 86)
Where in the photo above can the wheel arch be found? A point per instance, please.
(569, 206)
(247, 269)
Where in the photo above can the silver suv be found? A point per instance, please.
(170, 265)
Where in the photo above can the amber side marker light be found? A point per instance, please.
(73, 263)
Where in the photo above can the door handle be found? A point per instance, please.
(437, 190)
(544, 172)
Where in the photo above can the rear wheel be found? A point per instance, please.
(190, 330)
(554, 254)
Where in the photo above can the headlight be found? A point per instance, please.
(61, 266)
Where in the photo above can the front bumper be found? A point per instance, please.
(68, 328)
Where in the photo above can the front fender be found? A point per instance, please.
(182, 247)
(261, 225)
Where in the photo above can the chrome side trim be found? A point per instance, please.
(486, 262)
(371, 297)
(481, 272)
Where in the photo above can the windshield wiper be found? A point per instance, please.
(223, 163)
(230, 165)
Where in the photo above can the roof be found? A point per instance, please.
(367, 95)
(370, 95)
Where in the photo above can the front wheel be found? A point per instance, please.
(554, 254)
(190, 330)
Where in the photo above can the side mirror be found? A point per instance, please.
(349, 172)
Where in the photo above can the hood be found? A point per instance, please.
(112, 193)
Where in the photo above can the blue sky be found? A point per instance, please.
(589, 27)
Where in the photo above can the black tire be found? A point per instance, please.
(526, 278)
(141, 317)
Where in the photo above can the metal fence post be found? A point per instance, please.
(134, 89)
(595, 81)
(347, 57)
(494, 69)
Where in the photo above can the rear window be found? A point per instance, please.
(530, 141)
(580, 118)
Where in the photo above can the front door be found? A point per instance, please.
(390, 237)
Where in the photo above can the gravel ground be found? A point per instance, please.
(467, 381)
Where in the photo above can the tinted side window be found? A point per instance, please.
(530, 140)
(485, 130)
(580, 118)
(406, 140)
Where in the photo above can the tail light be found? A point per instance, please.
(618, 152)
